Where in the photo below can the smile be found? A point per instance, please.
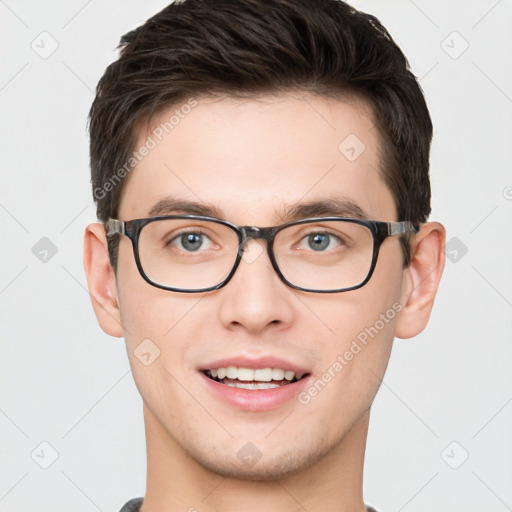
(253, 378)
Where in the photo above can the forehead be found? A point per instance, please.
(254, 159)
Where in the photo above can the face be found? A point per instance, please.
(252, 160)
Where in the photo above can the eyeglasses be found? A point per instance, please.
(191, 253)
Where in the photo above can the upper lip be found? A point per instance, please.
(254, 363)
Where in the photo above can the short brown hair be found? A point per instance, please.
(255, 47)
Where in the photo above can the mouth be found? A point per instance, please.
(254, 384)
(254, 378)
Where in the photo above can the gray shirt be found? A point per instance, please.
(134, 506)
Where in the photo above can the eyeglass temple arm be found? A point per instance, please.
(400, 228)
(114, 226)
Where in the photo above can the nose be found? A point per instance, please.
(256, 299)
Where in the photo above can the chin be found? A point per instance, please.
(263, 467)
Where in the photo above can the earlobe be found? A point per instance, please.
(101, 280)
(421, 279)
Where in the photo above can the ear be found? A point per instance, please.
(421, 279)
(101, 280)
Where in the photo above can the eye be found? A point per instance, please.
(191, 241)
(320, 241)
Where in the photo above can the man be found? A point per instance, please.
(261, 176)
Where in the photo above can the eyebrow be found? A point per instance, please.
(171, 205)
(330, 207)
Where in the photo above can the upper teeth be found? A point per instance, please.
(249, 374)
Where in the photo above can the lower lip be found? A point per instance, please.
(255, 400)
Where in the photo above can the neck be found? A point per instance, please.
(177, 482)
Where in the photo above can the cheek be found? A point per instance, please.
(168, 319)
(346, 316)
(160, 331)
(160, 328)
(352, 371)
(361, 330)
(147, 311)
(355, 355)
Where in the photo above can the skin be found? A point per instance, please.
(251, 158)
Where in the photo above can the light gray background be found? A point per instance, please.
(66, 383)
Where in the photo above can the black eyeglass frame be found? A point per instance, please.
(379, 230)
